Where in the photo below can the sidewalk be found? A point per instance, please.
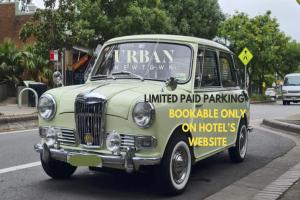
(14, 118)
(277, 180)
(269, 182)
(292, 193)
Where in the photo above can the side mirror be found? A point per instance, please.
(171, 84)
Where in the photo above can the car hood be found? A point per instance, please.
(120, 95)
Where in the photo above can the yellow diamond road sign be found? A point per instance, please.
(245, 56)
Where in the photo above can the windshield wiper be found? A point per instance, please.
(128, 73)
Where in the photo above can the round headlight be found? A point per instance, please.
(113, 142)
(143, 114)
(47, 107)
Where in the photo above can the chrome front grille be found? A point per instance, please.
(67, 137)
(127, 141)
(89, 114)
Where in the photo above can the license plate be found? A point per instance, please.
(85, 160)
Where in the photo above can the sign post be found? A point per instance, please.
(57, 76)
(245, 56)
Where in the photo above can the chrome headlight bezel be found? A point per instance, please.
(113, 142)
(148, 112)
(52, 104)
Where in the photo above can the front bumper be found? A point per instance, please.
(126, 160)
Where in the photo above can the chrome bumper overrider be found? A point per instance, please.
(126, 161)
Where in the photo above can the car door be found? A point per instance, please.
(231, 87)
(207, 83)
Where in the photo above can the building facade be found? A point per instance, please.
(13, 15)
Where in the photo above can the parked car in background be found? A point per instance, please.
(271, 92)
(291, 89)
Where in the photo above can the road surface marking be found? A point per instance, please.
(19, 167)
(19, 131)
(274, 190)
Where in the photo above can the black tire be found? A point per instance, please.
(238, 153)
(58, 169)
(166, 176)
(288, 103)
(284, 102)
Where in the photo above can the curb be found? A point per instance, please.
(18, 118)
(282, 125)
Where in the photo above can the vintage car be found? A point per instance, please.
(108, 123)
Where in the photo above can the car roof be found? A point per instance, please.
(293, 74)
(175, 38)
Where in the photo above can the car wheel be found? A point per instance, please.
(288, 102)
(57, 169)
(175, 168)
(284, 102)
(238, 153)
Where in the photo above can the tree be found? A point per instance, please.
(90, 22)
(194, 17)
(35, 66)
(100, 20)
(51, 26)
(10, 58)
(262, 36)
(17, 65)
(290, 61)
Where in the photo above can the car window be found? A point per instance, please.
(227, 71)
(199, 64)
(210, 76)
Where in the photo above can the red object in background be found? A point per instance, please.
(53, 55)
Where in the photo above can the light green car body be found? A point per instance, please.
(122, 94)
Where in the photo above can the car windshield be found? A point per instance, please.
(292, 81)
(147, 60)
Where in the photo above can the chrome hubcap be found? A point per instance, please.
(180, 164)
(243, 141)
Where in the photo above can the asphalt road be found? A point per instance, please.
(208, 176)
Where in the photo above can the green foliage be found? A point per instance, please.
(50, 26)
(90, 22)
(271, 48)
(9, 62)
(27, 64)
(290, 60)
(98, 21)
(36, 67)
(194, 17)
(259, 98)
